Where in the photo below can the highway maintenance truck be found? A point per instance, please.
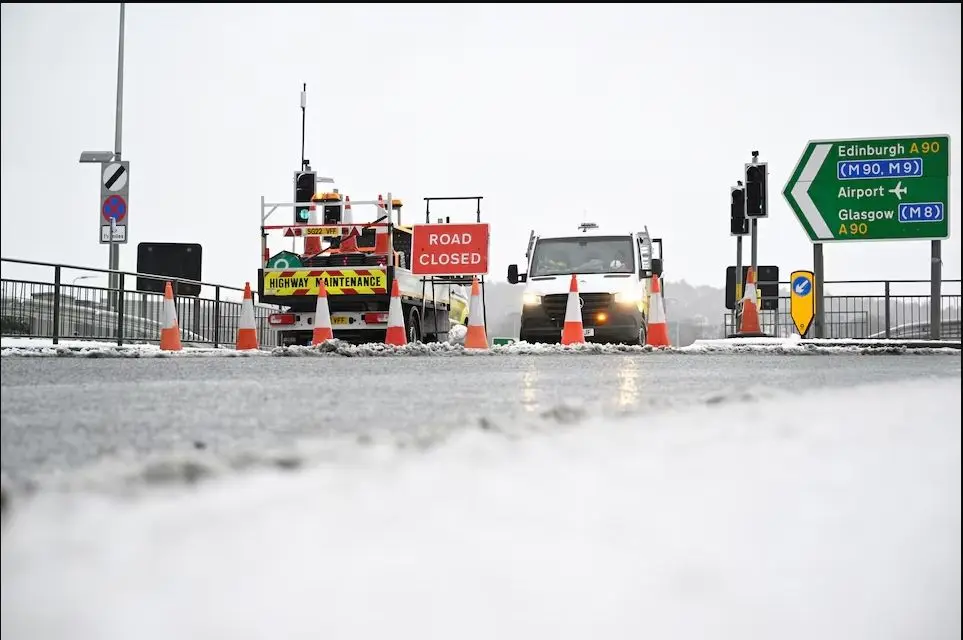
(357, 261)
(614, 274)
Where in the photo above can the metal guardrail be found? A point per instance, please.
(49, 303)
(894, 311)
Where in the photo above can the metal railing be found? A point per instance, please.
(891, 309)
(47, 301)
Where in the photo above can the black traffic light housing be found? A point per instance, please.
(756, 200)
(738, 222)
(304, 185)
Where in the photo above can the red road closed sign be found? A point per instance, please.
(449, 249)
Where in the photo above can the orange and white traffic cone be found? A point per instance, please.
(395, 334)
(572, 331)
(322, 317)
(246, 329)
(749, 324)
(658, 330)
(476, 338)
(347, 216)
(170, 335)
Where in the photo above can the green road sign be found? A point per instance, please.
(873, 189)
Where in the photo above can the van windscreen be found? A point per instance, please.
(600, 254)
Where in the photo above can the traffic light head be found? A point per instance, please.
(737, 198)
(738, 222)
(756, 175)
(304, 185)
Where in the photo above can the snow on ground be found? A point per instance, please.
(43, 347)
(33, 347)
(832, 514)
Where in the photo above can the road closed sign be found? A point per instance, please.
(449, 249)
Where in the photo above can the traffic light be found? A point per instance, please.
(304, 184)
(738, 222)
(756, 190)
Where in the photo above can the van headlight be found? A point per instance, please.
(628, 297)
(530, 299)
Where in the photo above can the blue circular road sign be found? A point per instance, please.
(802, 285)
(115, 207)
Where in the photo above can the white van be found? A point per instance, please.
(613, 271)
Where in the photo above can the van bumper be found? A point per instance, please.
(621, 325)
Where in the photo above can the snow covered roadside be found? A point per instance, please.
(32, 347)
(832, 514)
(42, 347)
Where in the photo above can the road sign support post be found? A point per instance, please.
(936, 289)
(818, 289)
(113, 256)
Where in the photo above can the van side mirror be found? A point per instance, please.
(657, 266)
(514, 277)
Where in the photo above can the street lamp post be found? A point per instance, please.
(113, 258)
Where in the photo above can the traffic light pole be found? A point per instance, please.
(735, 313)
(754, 233)
(113, 258)
(304, 106)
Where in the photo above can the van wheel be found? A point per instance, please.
(413, 325)
(643, 333)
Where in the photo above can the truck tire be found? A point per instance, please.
(413, 324)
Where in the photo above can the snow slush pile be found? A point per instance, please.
(41, 347)
(454, 346)
(817, 515)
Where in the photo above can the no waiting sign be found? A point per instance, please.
(450, 249)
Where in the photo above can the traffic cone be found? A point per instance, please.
(658, 331)
(347, 216)
(322, 317)
(246, 329)
(349, 241)
(170, 335)
(312, 244)
(476, 337)
(395, 334)
(572, 332)
(749, 325)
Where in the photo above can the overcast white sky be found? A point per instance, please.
(624, 114)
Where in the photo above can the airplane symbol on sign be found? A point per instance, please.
(899, 190)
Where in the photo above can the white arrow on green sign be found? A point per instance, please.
(873, 189)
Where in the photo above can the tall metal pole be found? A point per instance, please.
(738, 295)
(936, 282)
(304, 105)
(114, 248)
(818, 293)
(754, 232)
(737, 311)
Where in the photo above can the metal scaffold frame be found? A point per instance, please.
(459, 280)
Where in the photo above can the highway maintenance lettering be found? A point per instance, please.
(339, 282)
(336, 281)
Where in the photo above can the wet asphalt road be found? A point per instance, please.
(59, 414)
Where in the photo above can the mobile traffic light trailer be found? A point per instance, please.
(358, 262)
